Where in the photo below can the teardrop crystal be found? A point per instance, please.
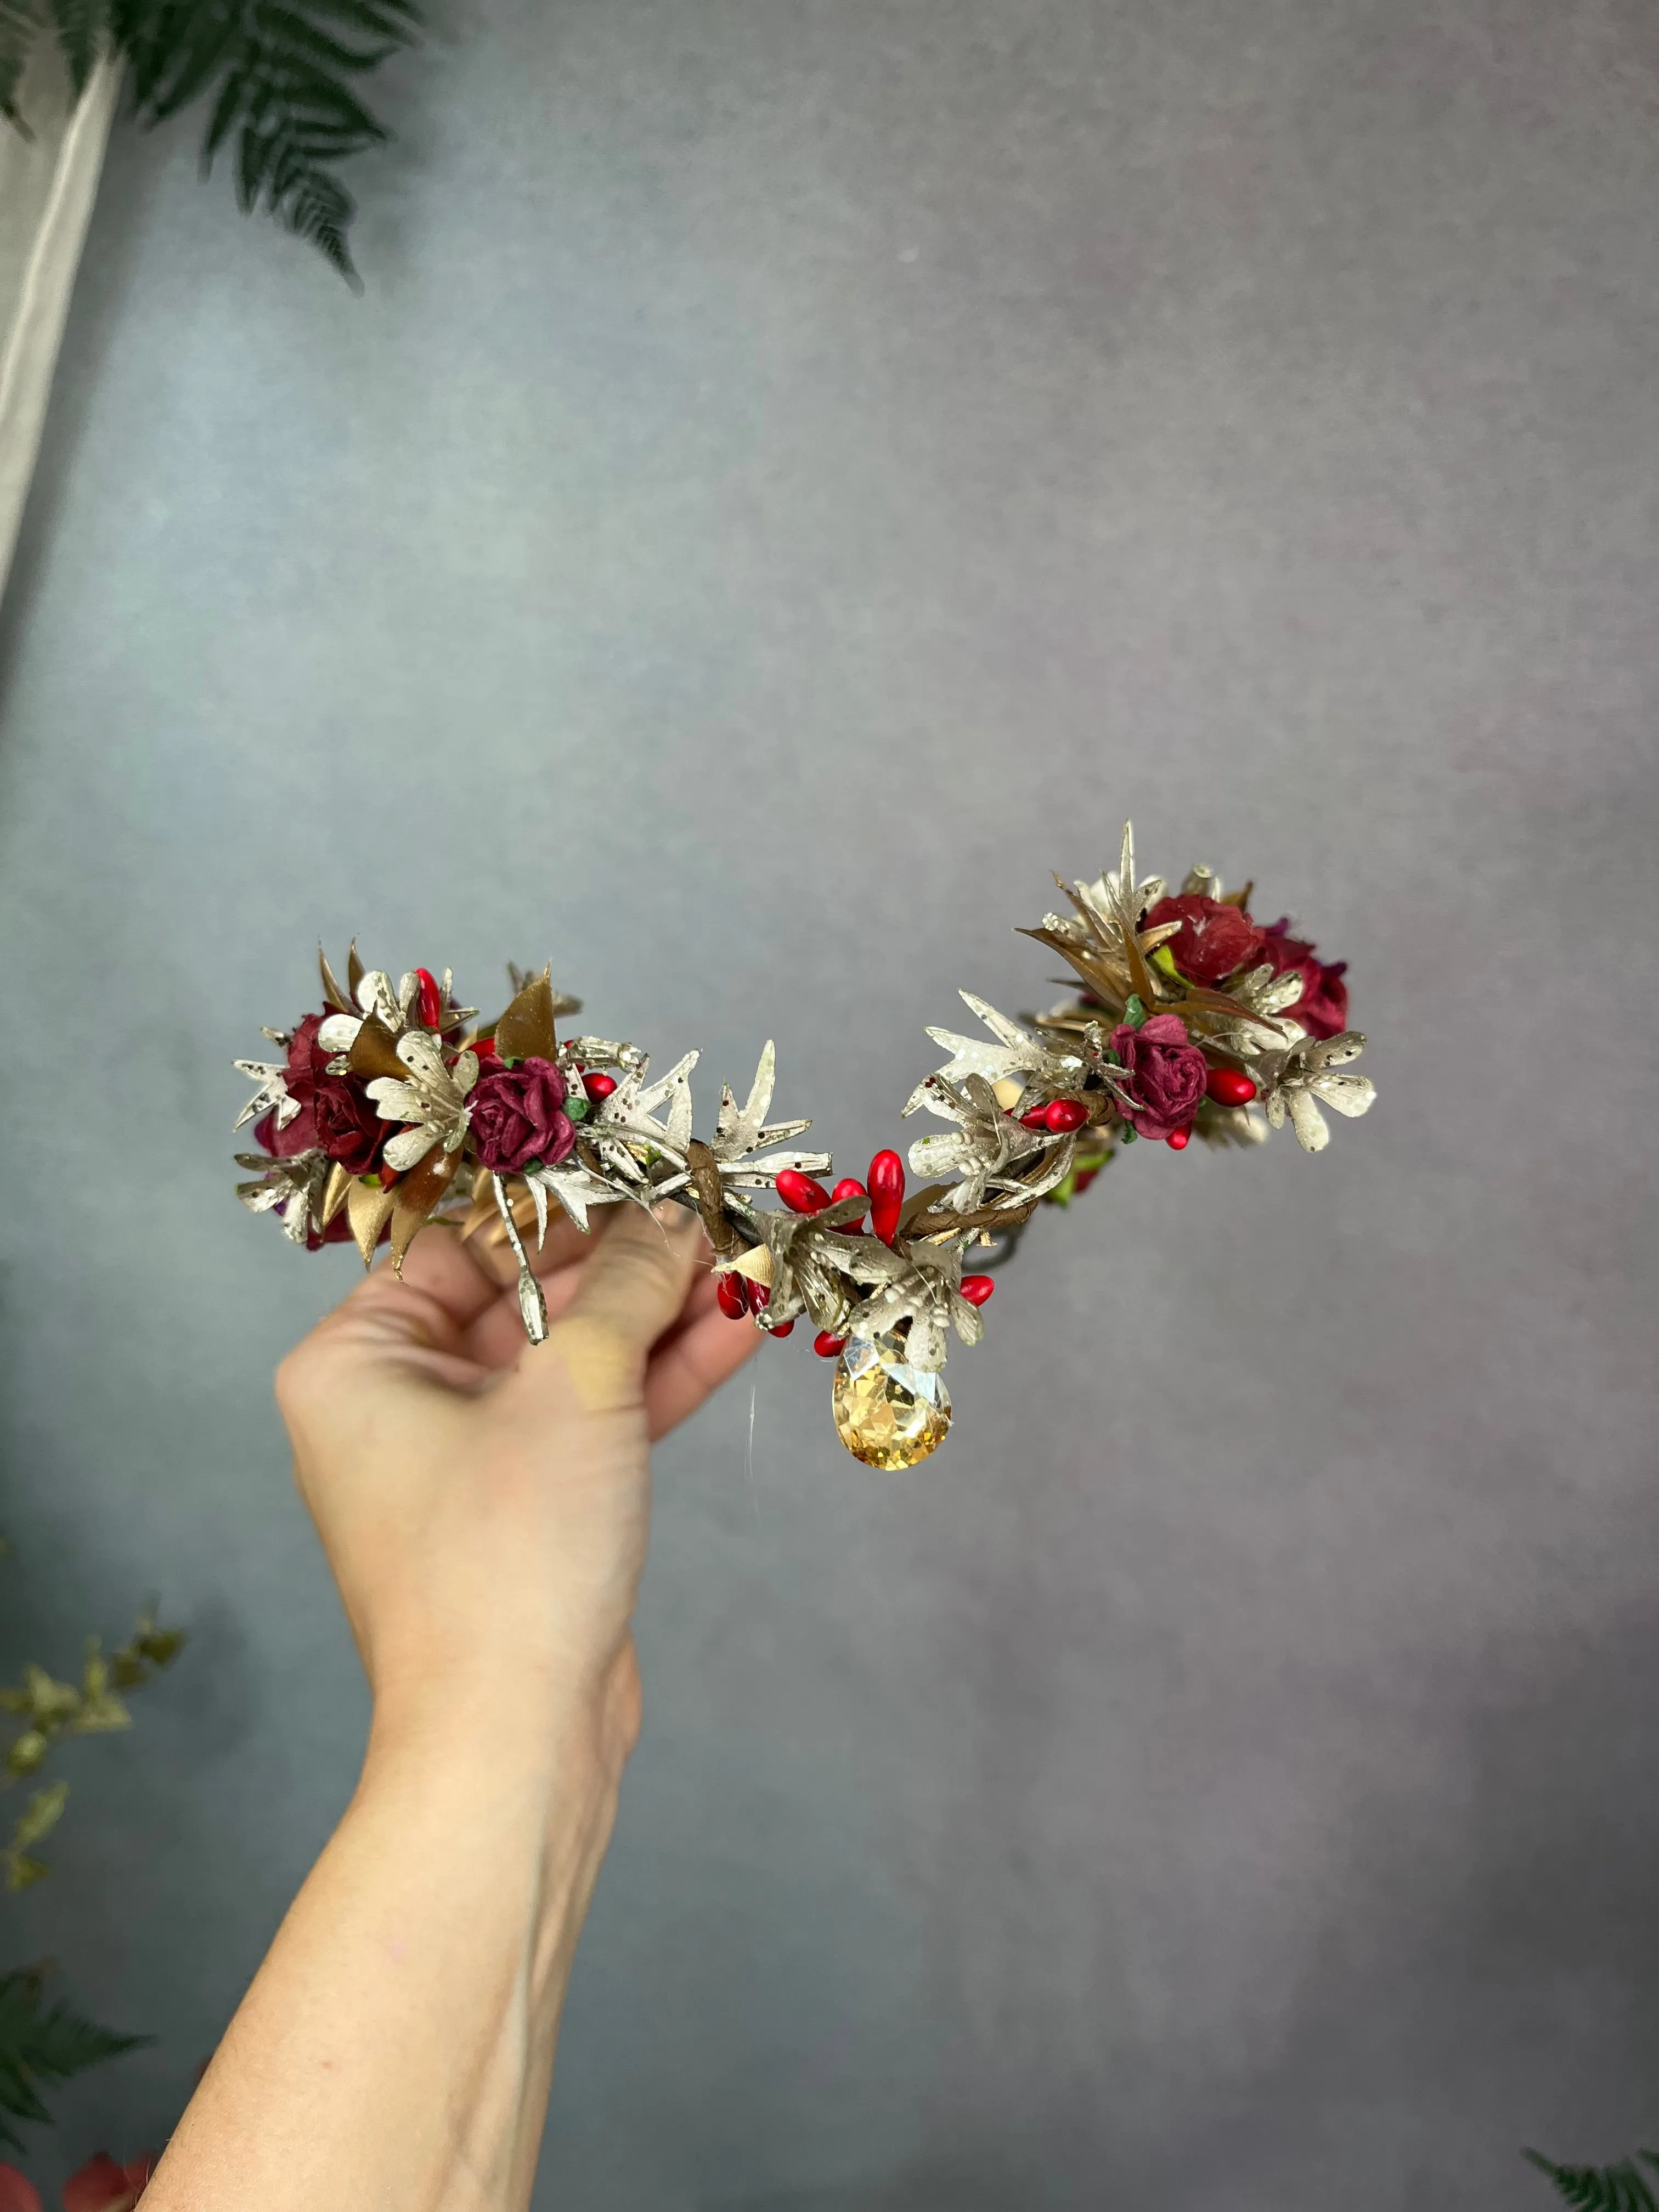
(888, 1412)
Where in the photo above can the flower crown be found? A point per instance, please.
(390, 1111)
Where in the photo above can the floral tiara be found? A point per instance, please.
(391, 1111)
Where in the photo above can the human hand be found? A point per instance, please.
(484, 1502)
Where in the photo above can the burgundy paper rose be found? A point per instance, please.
(1164, 1074)
(1322, 1009)
(348, 1127)
(307, 1066)
(518, 1115)
(1213, 939)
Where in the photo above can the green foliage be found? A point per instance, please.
(79, 25)
(1621, 2188)
(279, 73)
(41, 2048)
(19, 21)
(49, 1709)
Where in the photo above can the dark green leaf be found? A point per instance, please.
(1619, 2188)
(20, 26)
(80, 26)
(278, 73)
(41, 2046)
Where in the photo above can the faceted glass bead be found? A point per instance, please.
(889, 1414)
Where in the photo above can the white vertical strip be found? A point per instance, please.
(41, 307)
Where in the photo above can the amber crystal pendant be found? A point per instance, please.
(889, 1414)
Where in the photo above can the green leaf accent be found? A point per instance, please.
(19, 22)
(49, 1709)
(79, 25)
(41, 1816)
(280, 73)
(1621, 2188)
(282, 69)
(41, 2048)
(1133, 1012)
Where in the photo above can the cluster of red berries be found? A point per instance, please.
(1227, 1086)
(884, 1194)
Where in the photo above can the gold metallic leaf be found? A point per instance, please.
(526, 1030)
(333, 994)
(374, 1052)
(354, 967)
(368, 1208)
(755, 1264)
(339, 1189)
(414, 1198)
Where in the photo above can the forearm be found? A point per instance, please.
(396, 2046)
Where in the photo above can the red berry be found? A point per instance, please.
(828, 1346)
(760, 1294)
(599, 1087)
(732, 1294)
(1038, 1118)
(1178, 1139)
(485, 1047)
(977, 1288)
(388, 1176)
(1229, 1086)
(849, 1186)
(782, 1329)
(802, 1194)
(431, 997)
(886, 1194)
(1067, 1114)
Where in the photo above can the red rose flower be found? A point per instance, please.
(1322, 1009)
(307, 1066)
(299, 1135)
(348, 1127)
(101, 2185)
(1164, 1074)
(1213, 939)
(518, 1115)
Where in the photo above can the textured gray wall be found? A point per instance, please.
(799, 473)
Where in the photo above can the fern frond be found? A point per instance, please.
(283, 72)
(41, 2048)
(1619, 2188)
(20, 26)
(79, 25)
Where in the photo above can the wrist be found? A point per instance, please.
(534, 1730)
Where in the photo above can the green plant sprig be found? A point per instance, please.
(41, 2046)
(50, 1709)
(1620, 2188)
(279, 72)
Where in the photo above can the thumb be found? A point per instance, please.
(631, 1290)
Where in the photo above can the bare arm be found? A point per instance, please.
(485, 1507)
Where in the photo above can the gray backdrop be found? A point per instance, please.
(799, 474)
